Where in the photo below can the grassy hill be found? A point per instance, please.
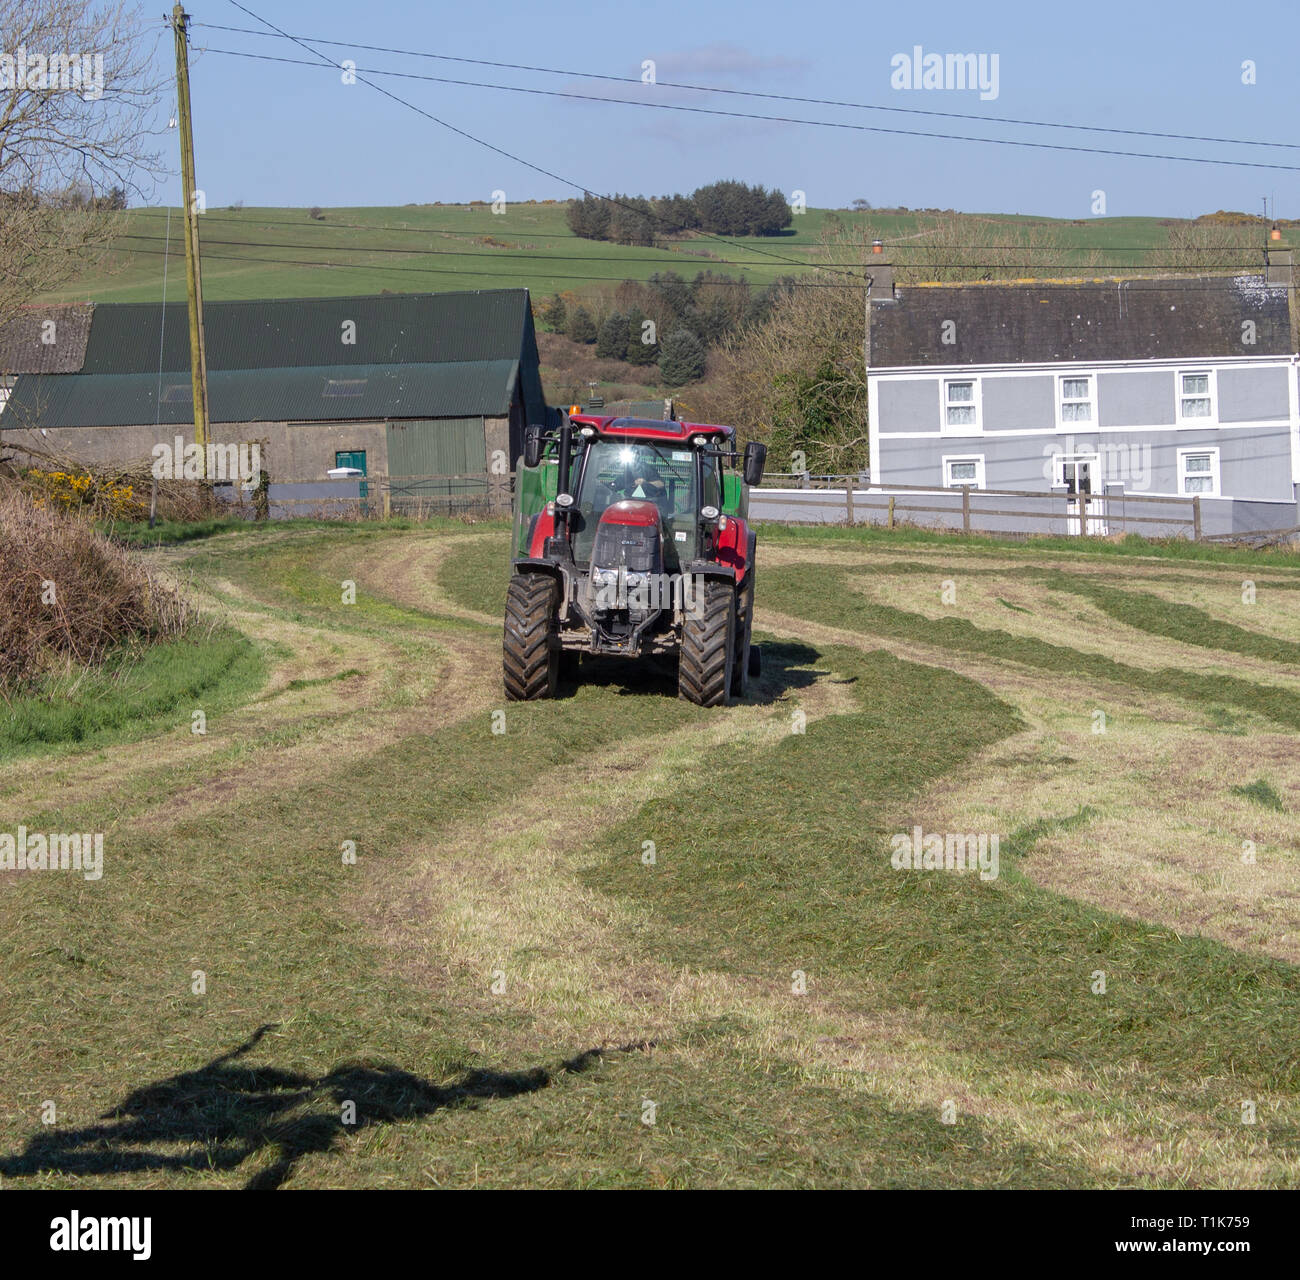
(277, 253)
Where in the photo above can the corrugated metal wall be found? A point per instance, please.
(437, 447)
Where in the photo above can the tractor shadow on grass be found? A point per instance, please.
(787, 665)
(217, 1117)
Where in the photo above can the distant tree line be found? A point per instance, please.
(722, 208)
(666, 320)
(76, 195)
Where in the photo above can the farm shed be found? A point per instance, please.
(401, 385)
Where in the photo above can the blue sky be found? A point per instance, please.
(271, 134)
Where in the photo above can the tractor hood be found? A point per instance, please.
(629, 537)
(631, 511)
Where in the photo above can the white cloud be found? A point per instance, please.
(724, 60)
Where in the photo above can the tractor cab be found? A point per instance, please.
(626, 479)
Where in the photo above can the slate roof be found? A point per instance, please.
(49, 339)
(1185, 317)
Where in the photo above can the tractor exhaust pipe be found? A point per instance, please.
(563, 498)
(566, 458)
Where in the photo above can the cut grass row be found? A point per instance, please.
(775, 861)
(179, 894)
(772, 857)
(973, 545)
(830, 597)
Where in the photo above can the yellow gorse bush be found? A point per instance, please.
(66, 491)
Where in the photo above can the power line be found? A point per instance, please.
(754, 93)
(315, 225)
(449, 271)
(501, 151)
(497, 254)
(1152, 283)
(900, 246)
(616, 262)
(739, 115)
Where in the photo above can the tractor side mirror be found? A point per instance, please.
(532, 446)
(755, 461)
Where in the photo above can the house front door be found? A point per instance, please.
(1085, 509)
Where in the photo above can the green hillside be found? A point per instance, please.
(274, 253)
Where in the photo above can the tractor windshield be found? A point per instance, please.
(616, 469)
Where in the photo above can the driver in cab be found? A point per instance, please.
(649, 485)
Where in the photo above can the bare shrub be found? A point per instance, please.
(68, 595)
(1208, 248)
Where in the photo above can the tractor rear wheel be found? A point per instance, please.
(704, 671)
(531, 646)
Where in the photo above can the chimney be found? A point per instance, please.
(880, 274)
(1278, 270)
(1277, 266)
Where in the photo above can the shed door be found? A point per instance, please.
(421, 449)
(353, 458)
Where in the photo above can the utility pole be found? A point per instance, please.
(193, 275)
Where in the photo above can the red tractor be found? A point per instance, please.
(631, 540)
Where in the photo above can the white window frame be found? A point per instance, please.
(1212, 393)
(1088, 424)
(976, 458)
(1215, 490)
(975, 428)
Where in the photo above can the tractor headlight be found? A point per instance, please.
(635, 579)
(604, 577)
(708, 513)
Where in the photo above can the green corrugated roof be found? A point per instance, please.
(281, 333)
(451, 389)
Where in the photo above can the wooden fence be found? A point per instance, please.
(966, 507)
(820, 499)
(380, 496)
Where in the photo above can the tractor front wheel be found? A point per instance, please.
(704, 672)
(531, 646)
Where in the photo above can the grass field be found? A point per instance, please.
(285, 253)
(627, 942)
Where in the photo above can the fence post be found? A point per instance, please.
(1196, 518)
(965, 508)
(387, 491)
(848, 502)
(891, 510)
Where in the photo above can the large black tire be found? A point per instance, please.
(531, 645)
(704, 672)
